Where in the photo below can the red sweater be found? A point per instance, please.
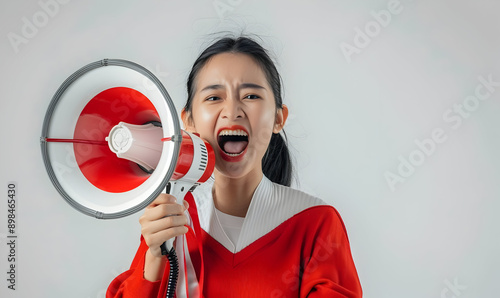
(307, 255)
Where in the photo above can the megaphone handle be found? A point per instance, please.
(179, 190)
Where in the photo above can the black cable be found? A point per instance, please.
(174, 273)
(173, 261)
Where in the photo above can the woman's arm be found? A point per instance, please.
(144, 276)
(132, 283)
(328, 268)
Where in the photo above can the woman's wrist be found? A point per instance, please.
(154, 266)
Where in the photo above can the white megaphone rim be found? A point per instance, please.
(136, 199)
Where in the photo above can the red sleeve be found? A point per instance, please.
(131, 283)
(329, 269)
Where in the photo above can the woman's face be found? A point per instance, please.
(234, 109)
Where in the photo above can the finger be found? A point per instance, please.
(157, 239)
(168, 210)
(170, 233)
(161, 211)
(186, 204)
(163, 224)
(163, 198)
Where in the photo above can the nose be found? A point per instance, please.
(232, 109)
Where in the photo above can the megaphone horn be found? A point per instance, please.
(111, 140)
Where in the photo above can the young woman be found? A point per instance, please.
(259, 237)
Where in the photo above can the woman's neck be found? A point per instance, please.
(233, 195)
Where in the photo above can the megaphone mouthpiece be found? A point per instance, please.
(141, 144)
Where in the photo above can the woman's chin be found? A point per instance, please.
(236, 169)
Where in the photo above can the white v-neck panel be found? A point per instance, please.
(231, 225)
(271, 205)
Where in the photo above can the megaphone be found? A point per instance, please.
(111, 141)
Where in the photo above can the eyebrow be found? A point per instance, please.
(242, 86)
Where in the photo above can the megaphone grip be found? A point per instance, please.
(178, 189)
(164, 250)
(163, 247)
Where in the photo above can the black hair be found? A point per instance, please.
(276, 163)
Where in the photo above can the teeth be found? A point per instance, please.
(237, 132)
(233, 154)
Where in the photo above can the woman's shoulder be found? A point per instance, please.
(307, 205)
(292, 196)
(286, 202)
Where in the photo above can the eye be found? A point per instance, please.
(212, 98)
(252, 96)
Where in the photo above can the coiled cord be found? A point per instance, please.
(174, 273)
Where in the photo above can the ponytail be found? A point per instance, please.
(277, 164)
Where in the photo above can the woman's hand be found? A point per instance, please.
(163, 219)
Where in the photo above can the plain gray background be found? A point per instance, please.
(365, 82)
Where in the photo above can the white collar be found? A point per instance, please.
(271, 205)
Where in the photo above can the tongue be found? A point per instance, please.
(235, 147)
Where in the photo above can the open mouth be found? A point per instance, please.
(233, 142)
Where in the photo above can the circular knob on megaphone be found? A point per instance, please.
(138, 143)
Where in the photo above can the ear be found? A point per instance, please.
(281, 116)
(187, 120)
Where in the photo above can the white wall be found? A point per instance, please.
(353, 118)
